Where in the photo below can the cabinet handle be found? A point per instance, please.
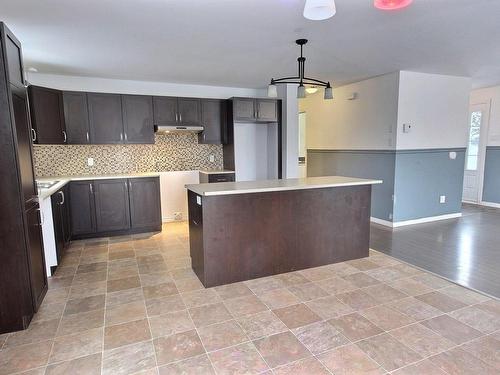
(180, 117)
(33, 135)
(195, 223)
(121, 136)
(88, 139)
(176, 117)
(91, 189)
(65, 136)
(40, 217)
(62, 198)
(126, 136)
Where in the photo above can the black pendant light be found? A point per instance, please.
(300, 80)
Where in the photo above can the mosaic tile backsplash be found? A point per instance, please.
(173, 152)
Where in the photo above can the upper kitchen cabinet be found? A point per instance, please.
(255, 110)
(213, 117)
(76, 117)
(244, 109)
(165, 110)
(189, 111)
(105, 118)
(176, 111)
(47, 117)
(266, 110)
(138, 119)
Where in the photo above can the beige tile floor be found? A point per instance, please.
(132, 305)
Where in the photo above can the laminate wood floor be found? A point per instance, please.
(465, 250)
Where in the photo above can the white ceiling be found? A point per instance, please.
(244, 43)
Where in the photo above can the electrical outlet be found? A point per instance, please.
(177, 215)
(211, 158)
(90, 162)
(406, 128)
(442, 199)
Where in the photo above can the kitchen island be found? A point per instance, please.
(244, 230)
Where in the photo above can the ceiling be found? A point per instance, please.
(243, 43)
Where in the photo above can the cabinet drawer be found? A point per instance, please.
(221, 177)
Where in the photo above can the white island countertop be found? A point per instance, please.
(246, 187)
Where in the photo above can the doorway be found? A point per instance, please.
(475, 154)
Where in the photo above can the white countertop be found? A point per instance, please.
(220, 171)
(229, 188)
(63, 180)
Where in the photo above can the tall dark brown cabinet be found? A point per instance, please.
(23, 281)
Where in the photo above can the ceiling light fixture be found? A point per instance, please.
(312, 90)
(317, 10)
(300, 80)
(391, 4)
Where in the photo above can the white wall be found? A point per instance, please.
(490, 95)
(290, 130)
(368, 122)
(93, 84)
(174, 194)
(255, 151)
(437, 108)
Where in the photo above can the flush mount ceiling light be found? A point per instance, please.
(391, 4)
(300, 80)
(317, 10)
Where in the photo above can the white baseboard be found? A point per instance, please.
(415, 221)
(490, 204)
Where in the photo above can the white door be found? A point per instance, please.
(474, 158)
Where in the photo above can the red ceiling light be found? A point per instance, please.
(391, 4)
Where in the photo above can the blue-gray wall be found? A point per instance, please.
(416, 178)
(421, 177)
(372, 164)
(491, 189)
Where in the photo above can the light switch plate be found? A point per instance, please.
(406, 128)
(211, 158)
(442, 199)
(90, 162)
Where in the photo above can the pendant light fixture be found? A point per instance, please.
(391, 4)
(300, 79)
(317, 10)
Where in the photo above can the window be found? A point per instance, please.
(473, 145)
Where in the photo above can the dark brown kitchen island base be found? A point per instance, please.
(245, 236)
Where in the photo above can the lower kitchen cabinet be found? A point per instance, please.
(36, 257)
(108, 207)
(112, 208)
(82, 208)
(61, 220)
(145, 210)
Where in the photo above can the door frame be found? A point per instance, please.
(483, 143)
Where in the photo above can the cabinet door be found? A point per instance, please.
(213, 116)
(76, 117)
(244, 109)
(65, 214)
(36, 255)
(189, 111)
(57, 219)
(105, 118)
(138, 119)
(112, 205)
(165, 110)
(47, 118)
(24, 151)
(82, 207)
(267, 110)
(145, 206)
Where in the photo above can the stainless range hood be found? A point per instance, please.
(166, 129)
